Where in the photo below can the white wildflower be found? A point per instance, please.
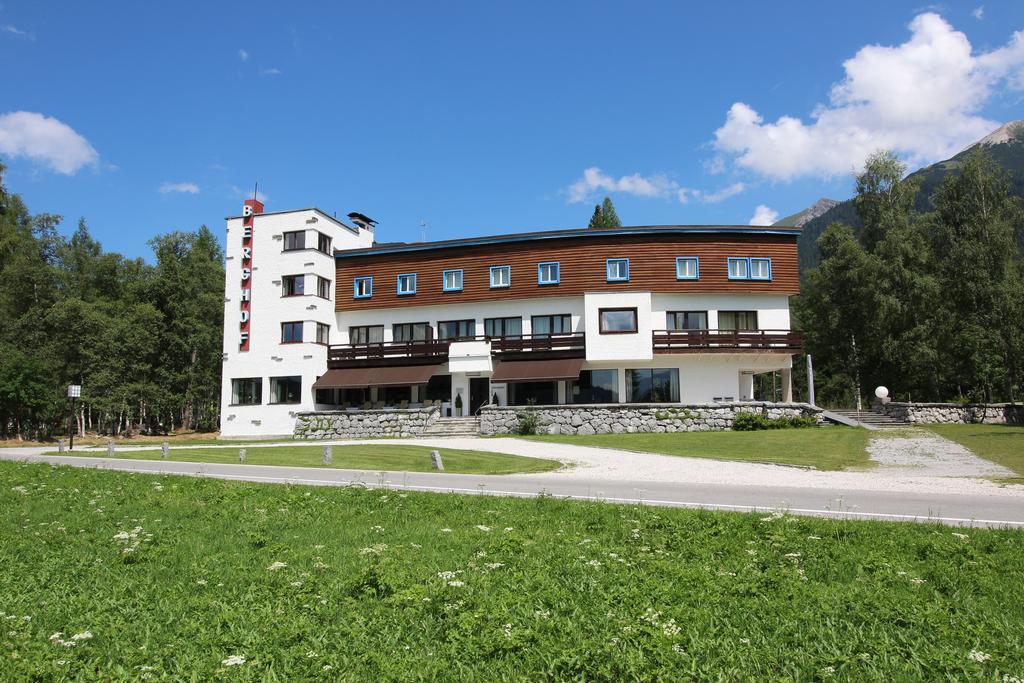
(828, 671)
(295, 584)
(595, 563)
(494, 565)
(678, 649)
(84, 635)
(234, 660)
(276, 566)
(978, 656)
(20, 489)
(917, 582)
(201, 582)
(542, 614)
(377, 529)
(483, 527)
(311, 654)
(456, 584)
(447, 575)
(446, 530)
(814, 538)
(375, 549)
(962, 537)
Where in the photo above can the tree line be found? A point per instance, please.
(142, 339)
(929, 303)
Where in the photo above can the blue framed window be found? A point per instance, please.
(687, 268)
(617, 269)
(501, 276)
(406, 284)
(739, 269)
(549, 273)
(362, 288)
(452, 280)
(760, 269)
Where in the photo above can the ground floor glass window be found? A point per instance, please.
(439, 388)
(286, 389)
(595, 386)
(247, 391)
(394, 396)
(532, 393)
(652, 385)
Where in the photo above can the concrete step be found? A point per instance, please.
(871, 418)
(454, 427)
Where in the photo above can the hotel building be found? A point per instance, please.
(319, 316)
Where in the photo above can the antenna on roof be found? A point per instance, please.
(423, 231)
(255, 189)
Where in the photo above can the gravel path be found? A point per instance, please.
(919, 451)
(908, 468)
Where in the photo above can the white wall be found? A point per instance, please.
(267, 357)
(618, 346)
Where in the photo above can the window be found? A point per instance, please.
(406, 284)
(544, 325)
(617, 269)
(291, 333)
(617, 320)
(687, 268)
(652, 385)
(456, 329)
(595, 386)
(760, 269)
(439, 388)
(453, 280)
(687, 320)
(410, 332)
(323, 333)
(532, 393)
(362, 288)
(293, 285)
(366, 334)
(503, 327)
(295, 240)
(323, 287)
(737, 320)
(326, 397)
(286, 389)
(739, 269)
(501, 276)
(323, 243)
(548, 273)
(247, 391)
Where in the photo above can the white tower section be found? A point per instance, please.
(279, 314)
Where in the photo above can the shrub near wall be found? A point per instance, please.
(954, 413)
(358, 424)
(617, 418)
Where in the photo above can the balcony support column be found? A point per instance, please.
(786, 375)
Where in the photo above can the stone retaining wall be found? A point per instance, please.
(632, 417)
(954, 413)
(358, 424)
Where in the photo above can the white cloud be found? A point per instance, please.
(15, 31)
(270, 72)
(763, 215)
(919, 98)
(979, 13)
(243, 56)
(658, 186)
(46, 141)
(186, 188)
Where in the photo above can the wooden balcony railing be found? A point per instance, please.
(705, 341)
(565, 345)
(387, 353)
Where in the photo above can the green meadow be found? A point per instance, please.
(122, 577)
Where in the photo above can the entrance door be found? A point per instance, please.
(478, 390)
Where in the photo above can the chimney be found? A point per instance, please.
(362, 221)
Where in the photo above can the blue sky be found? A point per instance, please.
(481, 118)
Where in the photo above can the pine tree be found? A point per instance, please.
(608, 215)
(595, 220)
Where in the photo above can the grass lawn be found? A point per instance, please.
(1002, 444)
(118, 576)
(825, 448)
(368, 456)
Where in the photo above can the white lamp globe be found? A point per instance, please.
(881, 392)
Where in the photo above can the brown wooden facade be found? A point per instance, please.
(652, 268)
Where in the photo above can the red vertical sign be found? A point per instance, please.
(249, 211)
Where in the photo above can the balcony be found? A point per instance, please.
(727, 341)
(418, 352)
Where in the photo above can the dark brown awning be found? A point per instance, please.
(537, 370)
(391, 376)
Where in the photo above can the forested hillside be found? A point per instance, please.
(143, 340)
(929, 303)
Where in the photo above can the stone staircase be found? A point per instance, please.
(454, 427)
(871, 419)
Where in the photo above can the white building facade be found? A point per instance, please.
(663, 314)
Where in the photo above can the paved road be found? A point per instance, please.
(948, 508)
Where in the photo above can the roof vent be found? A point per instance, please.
(364, 222)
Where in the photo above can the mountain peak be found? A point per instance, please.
(819, 207)
(1014, 130)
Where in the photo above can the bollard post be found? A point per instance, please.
(164, 448)
(60, 446)
(241, 455)
(110, 448)
(328, 451)
(435, 460)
